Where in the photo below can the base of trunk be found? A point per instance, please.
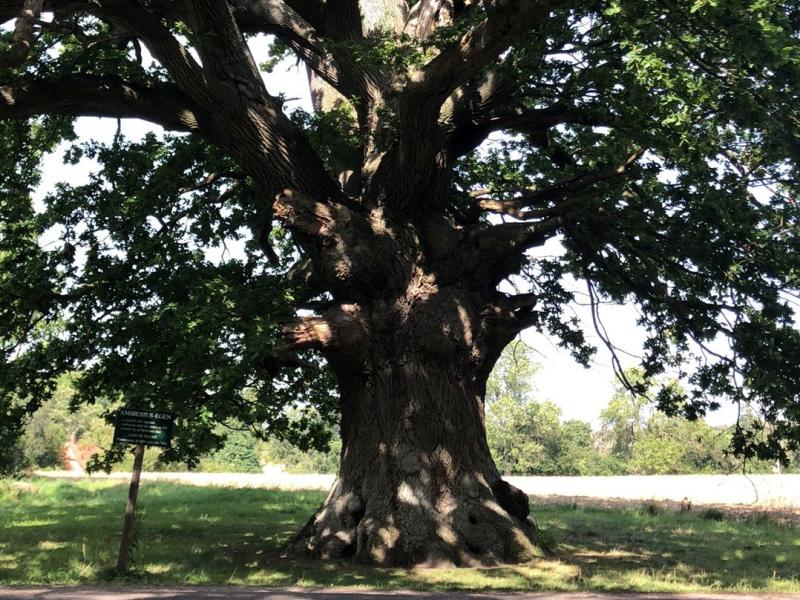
(398, 523)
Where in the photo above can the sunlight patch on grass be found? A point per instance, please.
(654, 580)
(205, 518)
(198, 578)
(50, 545)
(83, 570)
(31, 523)
(786, 586)
(538, 575)
(158, 568)
(8, 561)
(262, 577)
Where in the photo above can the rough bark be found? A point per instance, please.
(411, 343)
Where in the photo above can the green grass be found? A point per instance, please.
(68, 533)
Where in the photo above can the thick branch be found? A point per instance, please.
(312, 11)
(478, 96)
(188, 75)
(424, 17)
(581, 182)
(343, 20)
(518, 301)
(298, 22)
(513, 238)
(511, 19)
(305, 215)
(306, 333)
(243, 119)
(302, 278)
(475, 123)
(278, 18)
(251, 124)
(498, 250)
(307, 29)
(340, 326)
(226, 56)
(422, 145)
(89, 95)
(23, 38)
(289, 19)
(493, 103)
(345, 255)
(511, 208)
(566, 194)
(274, 363)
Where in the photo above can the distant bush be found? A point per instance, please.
(237, 455)
(712, 514)
(281, 452)
(651, 509)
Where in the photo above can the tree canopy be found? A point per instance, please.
(657, 140)
(644, 133)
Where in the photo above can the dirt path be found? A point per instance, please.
(237, 593)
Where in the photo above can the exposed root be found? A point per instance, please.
(401, 527)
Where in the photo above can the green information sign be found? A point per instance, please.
(143, 427)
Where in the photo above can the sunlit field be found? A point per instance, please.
(68, 532)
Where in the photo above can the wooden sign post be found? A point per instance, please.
(130, 511)
(143, 428)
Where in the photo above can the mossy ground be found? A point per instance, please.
(60, 532)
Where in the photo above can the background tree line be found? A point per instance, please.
(526, 436)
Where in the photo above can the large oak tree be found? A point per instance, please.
(656, 139)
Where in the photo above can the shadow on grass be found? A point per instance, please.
(69, 533)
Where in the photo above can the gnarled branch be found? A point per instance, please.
(510, 238)
(565, 195)
(421, 148)
(90, 95)
(279, 18)
(23, 39)
(305, 333)
(339, 326)
(475, 121)
(285, 19)
(424, 17)
(183, 68)
(224, 52)
(307, 216)
(498, 250)
(290, 359)
(436, 80)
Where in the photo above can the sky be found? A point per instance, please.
(580, 393)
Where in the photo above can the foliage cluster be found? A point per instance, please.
(151, 270)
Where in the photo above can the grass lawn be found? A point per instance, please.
(68, 532)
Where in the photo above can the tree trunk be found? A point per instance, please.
(412, 332)
(416, 484)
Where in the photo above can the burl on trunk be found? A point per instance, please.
(412, 340)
